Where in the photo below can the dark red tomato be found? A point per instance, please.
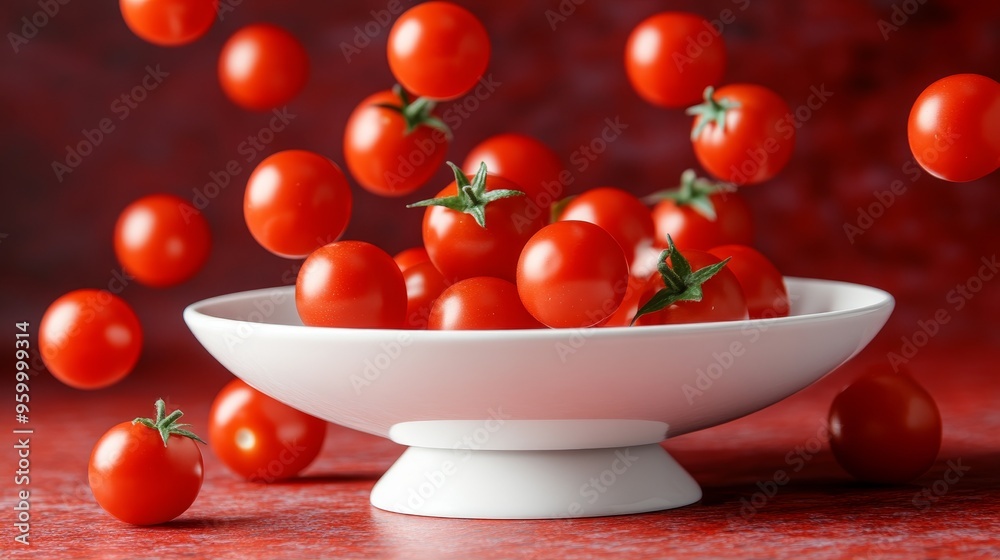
(622, 317)
(721, 298)
(393, 152)
(701, 215)
(351, 284)
(295, 202)
(169, 23)
(481, 303)
(410, 257)
(524, 160)
(259, 438)
(89, 339)
(423, 285)
(743, 133)
(162, 240)
(762, 282)
(147, 471)
(671, 58)
(263, 66)
(438, 50)
(885, 428)
(619, 213)
(462, 248)
(572, 274)
(954, 127)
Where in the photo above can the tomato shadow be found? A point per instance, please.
(203, 523)
(330, 478)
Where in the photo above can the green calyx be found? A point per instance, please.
(693, 191)
(167, 425)
(472, 197)
(681, 283)
(712, 110)
(417, 112)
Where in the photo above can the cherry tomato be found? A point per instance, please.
(885, 428)
(720, 299)
(162, 240)
(147, 471)
(351, 284)
(263, 66)
(424, 284)
(459, 246)
(671, 58)
(622, 317)
(392, 152)
(90, 339)
(619, 213)
(954, 127)
(169, 23)
(524, 160)
(742, 133)
(572, 274)
(410, 257)
(259, 438)
(701, 215)
(762, 283)
(295, 202)
(481, 303)
(438, 50)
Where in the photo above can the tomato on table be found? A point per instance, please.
(954, 127)
(742, 133)
(90, 339)
(481, 303)
(762, 282)
(147, 471)
(263, 66)
(438, 50)
(526, 161)
(701, 214)
(351, 284)
(424, 284)
(162, 240)
(617, 212)
(393, 145)
(169, 23)
(260, 438)
(572, 274)
(671, 57)
(295, 202)
(410, 257)
(885, 428)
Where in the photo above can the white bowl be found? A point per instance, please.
(537, 423)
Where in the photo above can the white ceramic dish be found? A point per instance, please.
(537, 423)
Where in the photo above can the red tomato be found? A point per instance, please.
(295, 202)
(259, 438)
(147, 471)
(572, 274)
(410, 257)
(263, 66)
(481, 303)
(721, 297)
(954, 127)
(885, 428)
(743, 133)
(392, 152)
(524, 160)
(89, 339)
(701, 215)
(423, 285)
(351, 284)
(169, 23)
(762, 283)
(671, 58)
(619, 213)
(438, 50)
(162, 240)
(622, 317)
(462, 247)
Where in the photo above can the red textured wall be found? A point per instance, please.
(558, 84)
